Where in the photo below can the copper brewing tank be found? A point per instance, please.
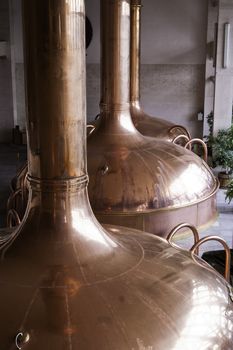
(17, 202)
(66, 282)
(136, 181)
(147, 125)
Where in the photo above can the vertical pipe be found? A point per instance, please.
(135, 51)
(115, 38)
(55, 68)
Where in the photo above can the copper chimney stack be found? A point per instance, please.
(147, 125)
(67, 283)
(136, 181)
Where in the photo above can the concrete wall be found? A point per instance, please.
(174, 32)
(224, 75)
(173, 60)
(211, 40)
(6, 109)
(17, 65)
(174, 92)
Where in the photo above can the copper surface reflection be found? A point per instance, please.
(207, 317)
(67, 282)
(57, 291)
(88, 228)
(191, 175)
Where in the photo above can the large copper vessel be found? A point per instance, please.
(137, 181)
(147, 125)
(66, 282)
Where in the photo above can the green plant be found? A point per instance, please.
(222, 147)
(210, 122)
(229, 192)
(209, 139)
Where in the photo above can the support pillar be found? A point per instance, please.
(223, 94)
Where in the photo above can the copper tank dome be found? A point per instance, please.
(137, 181)
(66, 282)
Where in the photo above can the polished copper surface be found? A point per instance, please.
(110, 289)
(136, 181)
(199, 142)
(147, 125)
(197, 244)
(66, 282)
(182, 226)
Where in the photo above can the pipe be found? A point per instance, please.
(135, 52)
(114, 103)
(55, 120)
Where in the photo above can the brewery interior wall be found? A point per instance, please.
(177, 73)
(6, 101)
(173, 62)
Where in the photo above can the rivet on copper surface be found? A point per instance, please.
(104, 169)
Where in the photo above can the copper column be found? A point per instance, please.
(147, 125)
(115, 57)
(66, 283)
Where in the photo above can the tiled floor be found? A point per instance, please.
(12, 157)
